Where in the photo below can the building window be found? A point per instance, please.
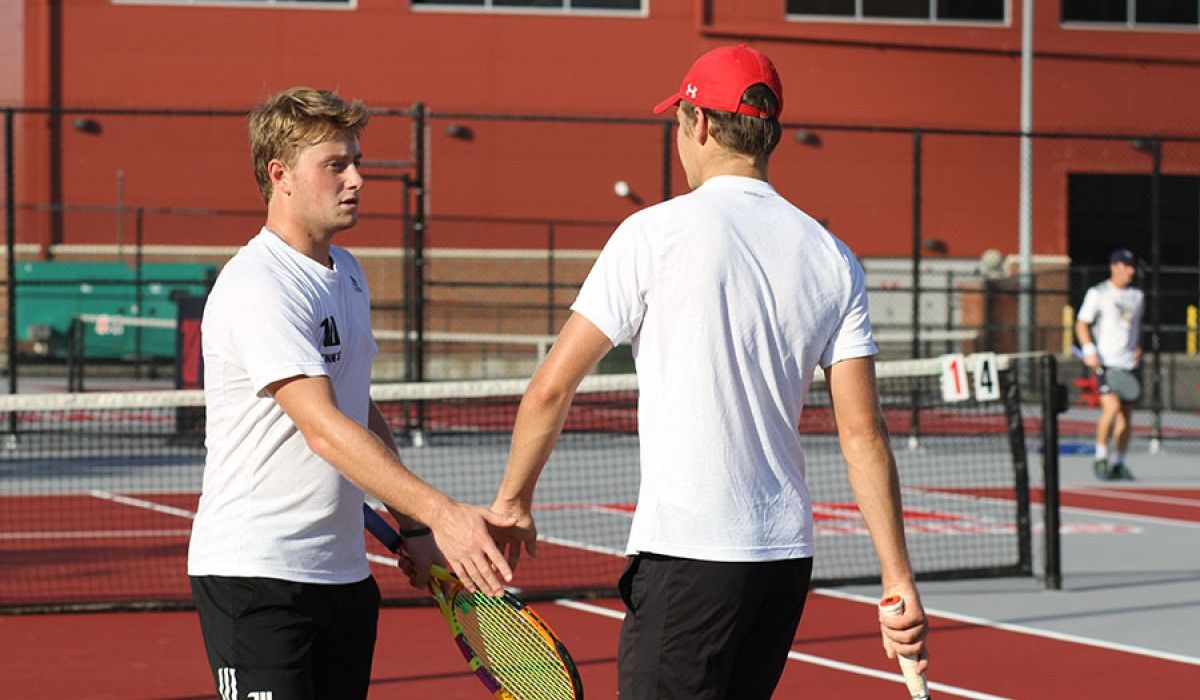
(909, 10)
(338, 4)
(1132, 12)
(558, 5)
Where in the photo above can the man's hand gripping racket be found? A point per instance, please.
(893, 606)
(510, 648)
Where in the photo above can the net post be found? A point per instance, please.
(1053, 402)
(1015, 428)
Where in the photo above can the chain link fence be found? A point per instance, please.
(480, 229)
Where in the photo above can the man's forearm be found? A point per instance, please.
(378, 425)
(873, 478)
(365, 459)
(536, 430)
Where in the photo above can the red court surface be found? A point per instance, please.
(160, 655)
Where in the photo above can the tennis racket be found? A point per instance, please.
(510, 648)
(892, 606)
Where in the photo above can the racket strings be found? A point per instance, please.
(512, 646)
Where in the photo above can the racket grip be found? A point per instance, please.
(379, 527)
(893, 606)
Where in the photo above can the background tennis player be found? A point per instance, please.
(731, 296)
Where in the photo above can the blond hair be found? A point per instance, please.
(290, 120)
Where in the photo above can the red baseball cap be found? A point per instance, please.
(719, 78)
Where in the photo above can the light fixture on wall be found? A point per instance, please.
(807, 138)
(460, 131)
(935, 245)
(87, 125)
(621, 189)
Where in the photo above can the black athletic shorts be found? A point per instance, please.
(705, 630)
(269, 639)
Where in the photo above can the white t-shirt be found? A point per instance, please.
(1115, 315)
(732, 297)
(269, 506)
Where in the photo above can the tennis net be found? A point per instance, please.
(97, 491)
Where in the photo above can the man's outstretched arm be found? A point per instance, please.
(871, 468)
(579, 346)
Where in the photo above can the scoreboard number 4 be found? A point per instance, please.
(987, 377)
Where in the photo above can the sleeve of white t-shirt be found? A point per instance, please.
(1090, 307)
(613, 297)
(274, 334)
(852, 337)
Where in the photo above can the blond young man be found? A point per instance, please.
(287, 605)
(731, 297)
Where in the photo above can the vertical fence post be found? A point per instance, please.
(1156, 263)
(550, 278)
(406, 180)
(138, 280)
(10, 226)
(914, 425)
(949, 309)
(1053, 401)
(417, 429)
(418, 240)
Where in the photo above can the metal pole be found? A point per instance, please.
(419, 241)
(1050, 407)
(550, 278)
(1025, 319)
(409, 293)
(949, 309)
(138, 281)
(916, 245)
(54, 47)
(10, 225)
(914, 425)
(417, 431)
(1156, 294)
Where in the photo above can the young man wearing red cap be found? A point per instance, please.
(732, 297)
(1109, 326)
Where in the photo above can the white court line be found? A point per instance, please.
(1133, 496)
(139, 503)
(91, 534)
(1021, 629)
(1118, 515)
(806, 658)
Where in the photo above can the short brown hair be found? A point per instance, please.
(301, 116)
(751, 136)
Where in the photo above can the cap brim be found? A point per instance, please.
(667, 103)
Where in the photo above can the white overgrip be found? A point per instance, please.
(893, 606)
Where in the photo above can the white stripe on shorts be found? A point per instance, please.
(227, 683)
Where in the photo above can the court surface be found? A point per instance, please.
(1123, 625)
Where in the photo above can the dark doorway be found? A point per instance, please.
(1113, 211)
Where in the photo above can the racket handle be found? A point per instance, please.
(893, 606)
(379, 527)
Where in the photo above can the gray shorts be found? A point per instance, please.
(1125, 384)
